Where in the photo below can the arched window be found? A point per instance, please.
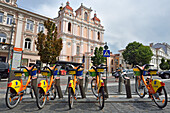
(69, 27)
(3, 37)
(27, 43)
(60, 27)
(98, 35)
(78, 50)
(85, 16)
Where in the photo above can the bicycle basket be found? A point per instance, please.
(92, 72)
(153, 71)
(55, 72)
(100, 70)
(79, 72)
(26, 72)
(33, 72)
(136, 71)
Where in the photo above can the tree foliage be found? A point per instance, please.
(48, 45)
(137, 54)
(98, 58)
(164, 65)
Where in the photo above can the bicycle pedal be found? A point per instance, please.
(48, 98)
(75, 98)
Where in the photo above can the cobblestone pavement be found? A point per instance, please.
(116, 103)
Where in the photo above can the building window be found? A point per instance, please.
(91, 51)
(78, 50)
(27, 43)
(3, 37)
(41, 27)
(112, 62)
(9, 19)
(30, 25)
(85, 16)
(1, 17)
(69, 27)
(60, 27)
(98, 35)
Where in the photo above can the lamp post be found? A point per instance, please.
(12, 31)
(106, 48)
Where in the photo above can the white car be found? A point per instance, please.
(128, 73)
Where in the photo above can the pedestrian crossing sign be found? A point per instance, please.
(106, 53)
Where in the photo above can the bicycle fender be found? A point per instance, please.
(43, 84)
(101, 81)
(71, 84)
(16, 85)
(156, 84)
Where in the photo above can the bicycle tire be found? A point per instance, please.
(101, 98)
(12, 93)
(140, 88)
(160, 97)
(41, 97)
(94, 87)
(32, 93)
(70, 97)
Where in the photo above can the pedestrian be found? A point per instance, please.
(116, 75)
(120, 70)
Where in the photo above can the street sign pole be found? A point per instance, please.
(106, 48)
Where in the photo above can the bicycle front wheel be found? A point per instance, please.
(140, 88)
(53, 92)
(70, 97)
(41, 98)
(94, 87)
(12, 99)
(101, 98)
(160, 97)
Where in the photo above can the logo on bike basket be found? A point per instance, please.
(44, 82)
(16, 83)
(154, 82)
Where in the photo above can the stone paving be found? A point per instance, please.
(115, 103)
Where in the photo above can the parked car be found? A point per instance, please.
(164, 74)
(128, 73)
(4, 70)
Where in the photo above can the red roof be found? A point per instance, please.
(68, 7)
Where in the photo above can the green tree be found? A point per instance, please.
(137, 54)
(48, 45)
(98, 58)
(164, 65)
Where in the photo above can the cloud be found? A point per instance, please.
(124, 21)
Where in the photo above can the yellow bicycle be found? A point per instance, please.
(73, 84)
(156, 88)
(97, 84)
(16, 89)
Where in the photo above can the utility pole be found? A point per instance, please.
(9, 50)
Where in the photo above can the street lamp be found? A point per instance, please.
(12, 31)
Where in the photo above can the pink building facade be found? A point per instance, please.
(80, 32)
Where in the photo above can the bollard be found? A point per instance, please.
(127, 86)
(86, 83)
(105, 87)
(120, 84)
(57, 85)
(34, 85)
(66, 91)
(83, 95)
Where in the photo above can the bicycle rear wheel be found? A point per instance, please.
(94, 87)
(12, 99)
(140, 88)
(70, 97)
(101, 98)
(41, 98)
(160, 97)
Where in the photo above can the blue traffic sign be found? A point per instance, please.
(106, 53)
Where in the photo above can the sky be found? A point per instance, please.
(124, 21)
